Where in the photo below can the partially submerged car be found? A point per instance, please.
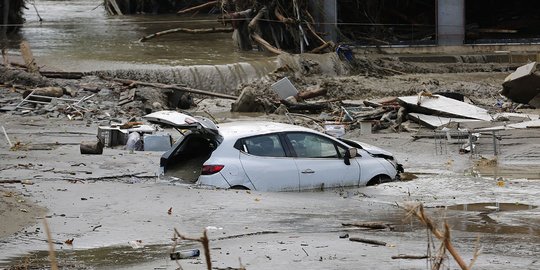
(268, 156)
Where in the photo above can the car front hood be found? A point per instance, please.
(374, 150)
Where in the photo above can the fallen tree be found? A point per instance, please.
(274, 26)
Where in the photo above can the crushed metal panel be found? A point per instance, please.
(433, 121)
(523, 85)
(443, 106)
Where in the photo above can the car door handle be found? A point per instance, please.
(308, 171)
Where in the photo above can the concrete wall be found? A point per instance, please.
(450, 22)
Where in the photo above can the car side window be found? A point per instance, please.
(264, 146)
(308, 145)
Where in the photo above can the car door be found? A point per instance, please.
(320, 161)
(266, 164)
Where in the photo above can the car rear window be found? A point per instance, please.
(263, 146)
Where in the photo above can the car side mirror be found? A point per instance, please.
(350, 153)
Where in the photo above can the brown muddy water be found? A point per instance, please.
(79, 35)
(509, 229)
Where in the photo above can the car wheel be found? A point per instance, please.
(239, 188)
(379, 179)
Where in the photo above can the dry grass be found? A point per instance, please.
(446, 245)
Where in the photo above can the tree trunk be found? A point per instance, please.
(5, 22)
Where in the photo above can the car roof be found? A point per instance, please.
(239, 129)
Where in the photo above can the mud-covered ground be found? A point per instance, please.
(111, 202)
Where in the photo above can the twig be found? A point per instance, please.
(196, 8)
(188, 31)
(37, 12)
(418, 211)
(409, 257)
(52, 255)
(10, 181)
(97, 7)
(369, 225)
(367, 241)
(171, 87)
(7, 138)
(477, 251)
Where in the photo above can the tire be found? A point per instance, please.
(379, 179)
(239, 188)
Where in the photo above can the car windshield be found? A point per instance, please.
(308, 145)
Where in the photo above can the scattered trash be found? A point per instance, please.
(69, 241)
(284, 88)
(185, 254)
(92, 147)
(334, 129)
(500, 182)
(134, 142)
(136, 244)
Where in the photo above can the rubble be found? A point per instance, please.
(523, 85)
(298, 89)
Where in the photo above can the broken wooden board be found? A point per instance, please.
(127, 96)
(523, 85)
(443, 106)
(522, 125)
(433, 121)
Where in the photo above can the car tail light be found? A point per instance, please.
(211, 169)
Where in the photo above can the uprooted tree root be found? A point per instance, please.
(446, 245)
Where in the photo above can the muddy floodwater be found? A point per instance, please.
(112, 211)
(105, 215)
(79, 35)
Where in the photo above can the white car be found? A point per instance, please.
(268, 156)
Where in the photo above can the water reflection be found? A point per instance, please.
(79, 35)
(484, 223)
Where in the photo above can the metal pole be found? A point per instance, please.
(471, 144)
(495, 152)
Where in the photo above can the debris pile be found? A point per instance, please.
(428, 108)
(300, 90)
